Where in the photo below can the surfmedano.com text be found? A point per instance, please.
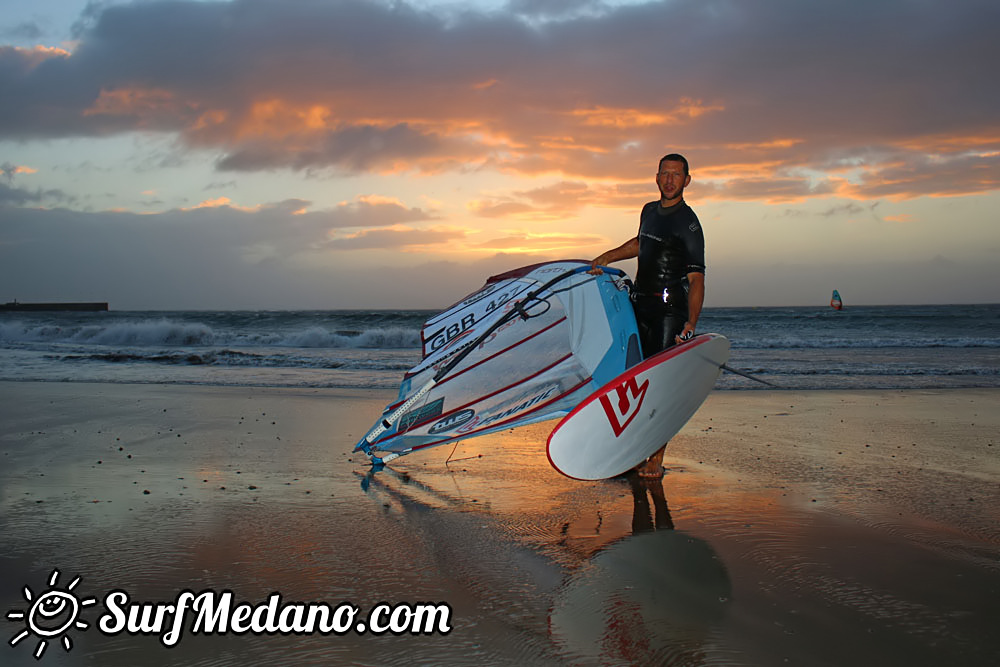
(210, 612)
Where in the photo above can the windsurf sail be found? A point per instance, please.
(526, 347)
(835, 302)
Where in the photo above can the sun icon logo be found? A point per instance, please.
(51, 615)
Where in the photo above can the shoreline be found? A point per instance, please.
(390, 390)
(817, 526)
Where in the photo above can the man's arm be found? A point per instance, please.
(696, 298)
(627, 250)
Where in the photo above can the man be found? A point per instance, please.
(670, 279)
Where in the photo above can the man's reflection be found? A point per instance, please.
(652, 597)
(647, 516)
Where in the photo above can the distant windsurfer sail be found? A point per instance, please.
(835, 301)
(528, 346)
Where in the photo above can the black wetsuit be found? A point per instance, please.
(671, 245)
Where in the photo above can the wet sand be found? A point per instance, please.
(811, 528)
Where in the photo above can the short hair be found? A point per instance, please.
(674, 157)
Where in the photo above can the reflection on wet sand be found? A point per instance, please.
(651, 595)
(646, 516)
(850, 524)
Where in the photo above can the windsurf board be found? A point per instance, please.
(629, 418)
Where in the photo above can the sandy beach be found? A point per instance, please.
(809, 528)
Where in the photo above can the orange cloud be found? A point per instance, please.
(358, 87)
(764, 145)
(622, 118)
(399, 238)
(483, 85)
(737, 170)
(36, 55)
(278, 118)
(532, 243)
(561, 200)
(222, 202)
(132, 102)
(985, 145)
(376, 200)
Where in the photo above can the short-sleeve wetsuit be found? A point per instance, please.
(671, 245)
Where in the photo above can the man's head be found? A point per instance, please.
(675, 157)
(672, 177)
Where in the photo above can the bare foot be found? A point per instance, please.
(652, 468)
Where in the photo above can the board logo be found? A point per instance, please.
(452, 421)
(621, 412)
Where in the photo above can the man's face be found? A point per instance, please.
(671, 180)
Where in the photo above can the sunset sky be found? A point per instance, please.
(377, 154)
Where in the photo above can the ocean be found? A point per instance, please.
(860, 347)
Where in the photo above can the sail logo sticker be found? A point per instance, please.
(523, 403)
(622, 411)
(452, 421)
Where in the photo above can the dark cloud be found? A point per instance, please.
(208, 256)
(590, 91)
(774, 189)
(374, 212)
(285, 227)
(932, 175)
(13, 196)
(848, 209)
(552, 10)
(16, 197)
(355, 149)
(28, 31)
(219, 185)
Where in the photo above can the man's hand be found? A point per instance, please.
(686, 334)
(627, 250)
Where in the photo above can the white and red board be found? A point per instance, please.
(629, 418)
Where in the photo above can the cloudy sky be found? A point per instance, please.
(371, 153)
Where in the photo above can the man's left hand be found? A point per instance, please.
(686, 334)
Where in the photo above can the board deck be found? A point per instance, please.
(629, 418)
